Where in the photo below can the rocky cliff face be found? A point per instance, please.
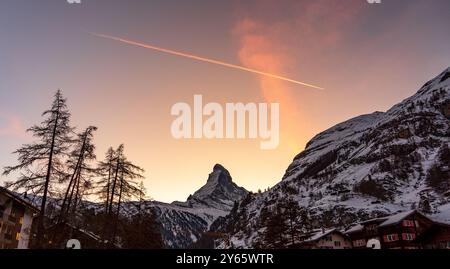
(183, 223)
(219, 192)
(367, 166)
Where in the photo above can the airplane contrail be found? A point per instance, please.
(202, 59)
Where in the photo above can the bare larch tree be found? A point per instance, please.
(41, 161)
(81, 173)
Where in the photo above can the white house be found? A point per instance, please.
(326, 239)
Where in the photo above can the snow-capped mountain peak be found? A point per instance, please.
(219, 192)
(183, 223)
(219, 178)
(371, 165)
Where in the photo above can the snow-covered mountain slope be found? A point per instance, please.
(373, 164)
(183, 223)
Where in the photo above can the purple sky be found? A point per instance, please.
(368, 57)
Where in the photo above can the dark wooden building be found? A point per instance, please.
(399, 231)
(436, 237)
(58, 235)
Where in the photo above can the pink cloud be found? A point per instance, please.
(291, 43)
(11, 125)
(306, 33)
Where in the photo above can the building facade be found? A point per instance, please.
(59, 234)
(326, 239)
(437, 237)
(399, 231)
(16, 219)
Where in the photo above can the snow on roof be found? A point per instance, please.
(90, 234)
(321, 234)
(360, 226)
(385, 221)
(19, 199)
(355, 228)
(379, 220)
(397, 218)
(87, 233)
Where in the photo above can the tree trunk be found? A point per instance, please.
(40, 229)
(116, 219)
(77, 166)
(77, 195)
(114, 186)
(120, 197)
(72, 192)
(108, 186)
(107, 228)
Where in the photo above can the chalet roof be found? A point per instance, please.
(375, 220)
(360, 226)
(320, 234)
(18, 199)
(73, 227)
(383, 221)
(355, 228)
(394, 219)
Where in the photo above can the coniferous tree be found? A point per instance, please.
(106, 169)
(294, 223)
(81, 172)
(123, 188)
(125, 181)
(142, 231)
(40, 162)
(275, 233)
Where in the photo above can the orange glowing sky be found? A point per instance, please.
(365, 56)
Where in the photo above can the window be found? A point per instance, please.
(13, 212)
(337, 243)
(390, 237)
(12, 218)
(408, 236)
(359, 243)
(8, 236)
(408, 223)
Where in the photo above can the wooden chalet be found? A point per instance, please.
(58, 235)
(436, 237)
(399, 231)
(324, 239)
